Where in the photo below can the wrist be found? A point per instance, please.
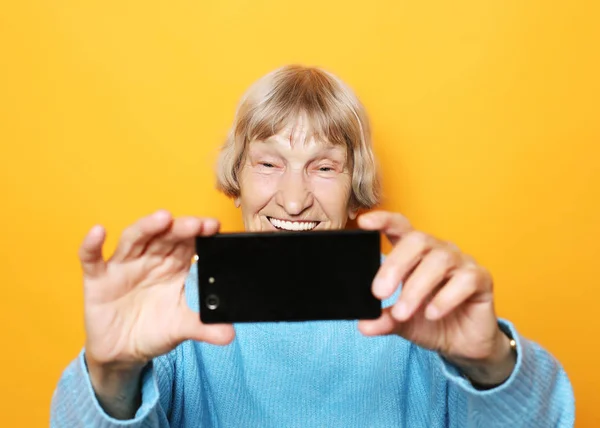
(495, 368)
(116, 386)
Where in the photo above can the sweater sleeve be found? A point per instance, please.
(537, 394)
(74, 402)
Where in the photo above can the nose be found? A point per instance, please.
(294, 195)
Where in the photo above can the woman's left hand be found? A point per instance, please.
(446, 303)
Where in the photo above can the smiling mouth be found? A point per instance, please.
(293, 225)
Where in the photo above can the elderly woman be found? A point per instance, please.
(299, 157)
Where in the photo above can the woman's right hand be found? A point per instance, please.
(135, 305)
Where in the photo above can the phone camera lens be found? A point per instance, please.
(212, 302)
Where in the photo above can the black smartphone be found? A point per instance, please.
(288, 276)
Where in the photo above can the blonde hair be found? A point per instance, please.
(334, 112)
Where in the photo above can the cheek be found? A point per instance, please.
(256, 191)
(333, 196)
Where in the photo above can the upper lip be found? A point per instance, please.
(292, 220)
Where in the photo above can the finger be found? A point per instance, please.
(400, 262)
(463, 285)
(429, 275)
(393, 225)
(194, 329)
(184, 252)
(135, 238)
(182, 229)
(90, 252)
(385, 324)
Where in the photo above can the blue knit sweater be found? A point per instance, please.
(322, 374)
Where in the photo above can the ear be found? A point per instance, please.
(352, 213)
(237, 202)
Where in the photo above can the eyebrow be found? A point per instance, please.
(329, 152)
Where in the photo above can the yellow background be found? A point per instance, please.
(486, 119)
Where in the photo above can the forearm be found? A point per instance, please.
(536, 394)
(76, 403)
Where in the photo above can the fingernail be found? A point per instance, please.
(400, 311)
(367, 221)
(160, 214)
(377, 286)
(96, 230)
(432, 312)
(210, 223)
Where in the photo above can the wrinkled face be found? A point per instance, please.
(291, 182)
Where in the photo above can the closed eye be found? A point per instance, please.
(267, 165)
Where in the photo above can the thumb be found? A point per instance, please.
(393, 225)
(193, 329)
(384, 325)
(90, 252)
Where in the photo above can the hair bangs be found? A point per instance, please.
(325, 117)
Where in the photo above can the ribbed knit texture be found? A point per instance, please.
(322, 374)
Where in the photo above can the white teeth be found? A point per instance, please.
(293, 225)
